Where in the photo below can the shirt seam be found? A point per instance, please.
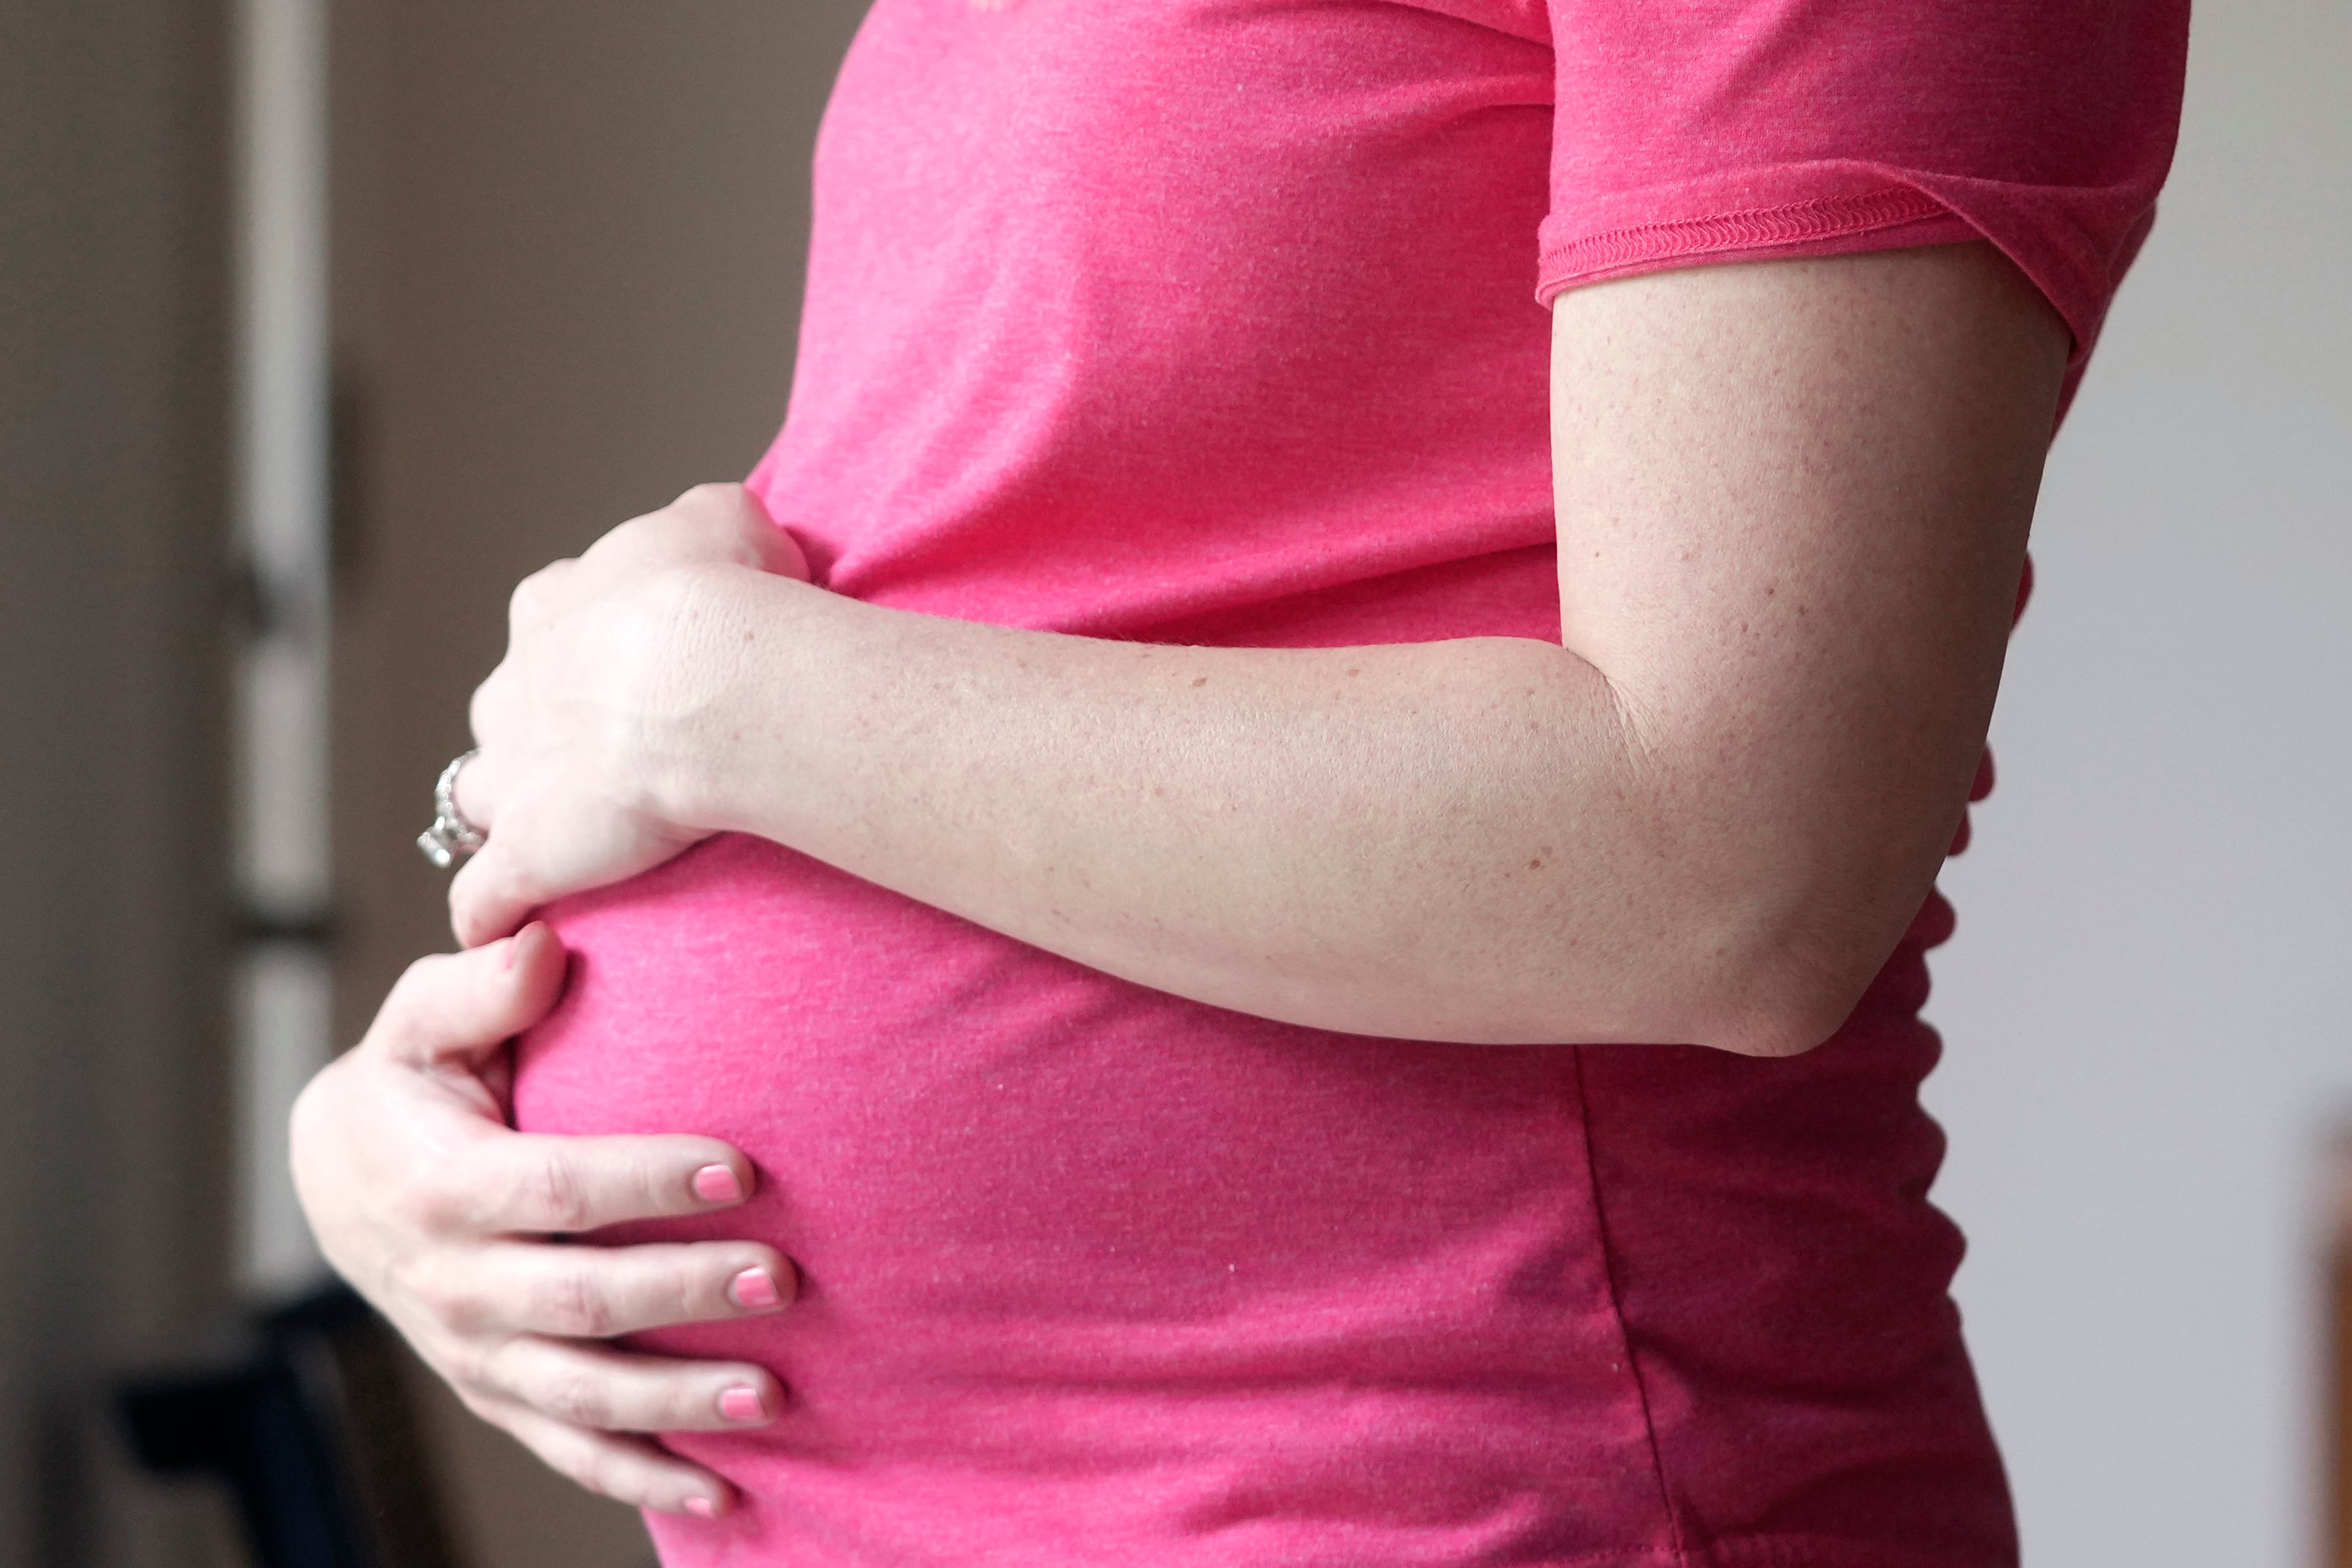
(1617, 1315)
(1750, 228)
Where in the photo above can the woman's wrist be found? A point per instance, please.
(744, 650)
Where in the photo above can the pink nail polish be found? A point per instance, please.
(717, 1184)
(741, 1405)
(701, 1508)
(753, 1290)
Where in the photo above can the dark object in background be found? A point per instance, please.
(313, 1432)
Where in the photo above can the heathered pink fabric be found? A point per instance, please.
(1217, 321)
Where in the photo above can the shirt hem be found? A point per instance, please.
(1890, 217)
(1790, 1552)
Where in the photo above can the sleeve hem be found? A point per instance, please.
(1890, 217)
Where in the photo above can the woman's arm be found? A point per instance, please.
(1793, 500)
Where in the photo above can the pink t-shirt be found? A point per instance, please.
(1218, 321)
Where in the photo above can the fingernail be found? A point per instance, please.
(717, 1184)
(701, 1508)
(753, 1290)
(741, 1405)
(513, 953)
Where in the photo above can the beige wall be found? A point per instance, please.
(114, 915)
(568, 239)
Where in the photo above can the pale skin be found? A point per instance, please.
(1792, 506)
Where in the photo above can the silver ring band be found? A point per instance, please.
(451, 838)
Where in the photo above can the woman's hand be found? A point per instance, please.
(444, 1217)
(600, 706)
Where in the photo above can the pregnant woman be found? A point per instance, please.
(1264, 899)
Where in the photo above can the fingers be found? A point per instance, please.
(536, 596)
(783, 556)
(628, 1470)
(709, 522)
(492, 894)
(613, 1390)
(773, 548)
(598, 1293)
(536, 1184)
(480, 784)
(472, 793)
(460, 1006)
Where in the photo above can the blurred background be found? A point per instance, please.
(321, 325)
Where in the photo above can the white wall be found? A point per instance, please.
(2147, 1011)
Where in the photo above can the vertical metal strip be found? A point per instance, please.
(282, 487)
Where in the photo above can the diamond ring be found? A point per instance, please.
(451, 838)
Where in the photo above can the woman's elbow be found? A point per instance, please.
(1784, 994)
(1784, 1026)
(1773, 1000)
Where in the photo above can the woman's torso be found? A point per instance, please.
(1214, 322)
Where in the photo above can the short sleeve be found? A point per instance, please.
(1710, 130)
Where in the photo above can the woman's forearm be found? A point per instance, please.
(1792, 503)
(1446, 840)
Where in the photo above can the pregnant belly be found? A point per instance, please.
(1088, 1265)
